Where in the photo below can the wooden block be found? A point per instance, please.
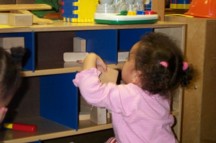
(79, 44)
(74, 56)
(85, 109)
(4, 18)
(9, 42)
(20, 19)
(122, 56)
(36, 19)
(84, 116)
(11, 7)
(99, 115)
(110, 75)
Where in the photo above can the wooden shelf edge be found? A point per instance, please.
(10, 7)
(67, 26)
(60, 70)
(86, 127)
(60, 134)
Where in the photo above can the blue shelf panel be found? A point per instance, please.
(59, 99)
(102, 42)
(128, 37)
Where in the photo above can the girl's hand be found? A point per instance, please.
(100, 65)
(92, 60)
(3, 111)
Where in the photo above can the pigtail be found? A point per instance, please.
(187, 74)
(17, 55)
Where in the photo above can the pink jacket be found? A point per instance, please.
(137, 117)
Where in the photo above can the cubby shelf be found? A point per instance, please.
(73, 67)
(47, 96)
(62, 26)
(50, 130)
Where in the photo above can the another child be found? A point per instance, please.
(141, 106)
(9, 80)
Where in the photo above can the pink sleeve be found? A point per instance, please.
(86, 75)
(93, 91)
(98, 94)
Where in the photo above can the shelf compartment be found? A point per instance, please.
(29, 59)
(128, 37)
(59, 99)
(49, 130)
(71, 67)
(102, 42)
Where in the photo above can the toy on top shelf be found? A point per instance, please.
(124, 12)
(148, 4)
(180, 4)
(200, 8)
(78, 10)
(116, 6)
(20, 14)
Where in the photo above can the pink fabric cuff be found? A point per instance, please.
(82, 74)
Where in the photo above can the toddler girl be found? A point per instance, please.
(141, 106)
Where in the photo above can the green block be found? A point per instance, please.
(55, 7)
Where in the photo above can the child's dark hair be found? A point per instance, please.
(9, 74)
(161, 63)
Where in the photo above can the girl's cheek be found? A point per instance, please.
(3, 111)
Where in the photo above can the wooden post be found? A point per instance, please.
(159, 7)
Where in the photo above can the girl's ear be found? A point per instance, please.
(3, 111)
(136, 77)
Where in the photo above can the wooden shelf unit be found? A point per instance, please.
(46, 60)
(199, 116)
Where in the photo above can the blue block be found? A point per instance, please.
(139, 12)
(180, 1)
(68, 11)
(148, 6)
(71, 1)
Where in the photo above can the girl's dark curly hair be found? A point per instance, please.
(9, 74)
(156, 77)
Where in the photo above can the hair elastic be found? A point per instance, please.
(164, 64)
(185, 66)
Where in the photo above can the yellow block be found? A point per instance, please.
(86, 10)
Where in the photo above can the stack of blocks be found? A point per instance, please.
(78, 11)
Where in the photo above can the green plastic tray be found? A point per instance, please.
(110, 18)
